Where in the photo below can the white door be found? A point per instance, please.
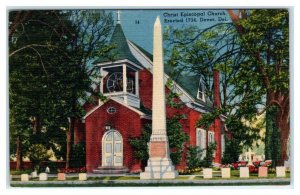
(112, 149)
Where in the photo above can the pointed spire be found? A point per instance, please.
(118, 17)
(157, 22)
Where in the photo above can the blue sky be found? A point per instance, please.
(138, 24)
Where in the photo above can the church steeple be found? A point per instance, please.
(119, 73)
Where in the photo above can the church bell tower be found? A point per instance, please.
(120, 75)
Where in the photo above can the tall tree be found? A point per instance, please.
(264, 35)
(50, 53)
(92, 28)
(33, 42)
(198, 52)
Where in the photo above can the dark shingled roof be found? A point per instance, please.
(121, 50)
(188, 82)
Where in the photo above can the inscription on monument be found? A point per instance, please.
(158, 149)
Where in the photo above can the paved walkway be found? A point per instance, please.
(281, 181)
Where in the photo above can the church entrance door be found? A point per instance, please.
(112, 149)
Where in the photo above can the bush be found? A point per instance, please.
(37, 153)
(208, 159)
(72, 170)
(176, 137)
(78, 156)
(232, 151)
(194, 159)
(52, 166)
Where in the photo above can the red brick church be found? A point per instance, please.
(127, 84)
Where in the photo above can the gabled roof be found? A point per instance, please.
(121, 49)
(141, 112)
(186, 81)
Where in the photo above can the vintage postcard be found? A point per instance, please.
(149, 97)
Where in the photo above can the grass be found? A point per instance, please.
(20, 172)
(147, 185)
(236, 175)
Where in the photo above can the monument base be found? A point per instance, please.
(159, 168)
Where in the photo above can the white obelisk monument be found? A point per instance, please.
(159, 164)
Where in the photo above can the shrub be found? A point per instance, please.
(176, 137)
(37, 153)
(72, 170)
(208, 159)
(52, 166)
(78, 156)
(232, 151)
(194, 159)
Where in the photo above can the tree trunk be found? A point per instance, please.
(19, 155)
(70, 142)
(283, 124)
(37, 127)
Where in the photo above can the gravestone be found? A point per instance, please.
(280, 171)
(207, 173)
(244, 172)
(61, 176)
(287, 165)
(82, 176)
(225, 172)
(47, 170)
(24, 177)
(263, 172)
(43, 177)
(34, 174)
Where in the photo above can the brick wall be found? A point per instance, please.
(126, 121)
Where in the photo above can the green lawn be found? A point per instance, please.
(236, 175)
(147, 185)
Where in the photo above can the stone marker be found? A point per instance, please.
(280, 171)
(34, 174)
(244, 172)
(82, 176)
(61, 176)
(207, 173)
(263, 172)
(287, 165)
(47, 170)
(43, 177)
(225, 172)
(24, 177)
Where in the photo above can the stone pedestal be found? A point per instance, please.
(225, 172)
(24, 177)
(159, 168)
(159, 165)
(263, 172)
(244, 172)
(207, 173)
(43, 177)
(82, 177)
(280, 171)
(61, 176)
